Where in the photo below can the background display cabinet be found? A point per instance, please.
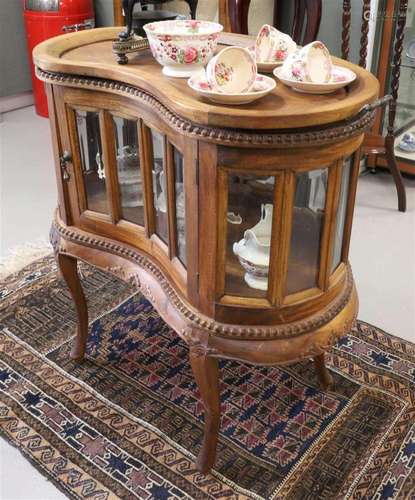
(234, 222)
(385, 40)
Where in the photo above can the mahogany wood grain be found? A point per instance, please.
(314, 13)
(238, 15)
(346, 24)
(364, 38)
(307, 20)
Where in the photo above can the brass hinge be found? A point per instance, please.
(64, 159)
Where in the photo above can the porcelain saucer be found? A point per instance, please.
(341, 77)
(263, 85)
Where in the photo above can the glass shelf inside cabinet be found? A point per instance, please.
(307, 225)
(159, 185)
(92, 163)
(248, 241)
(128, 170)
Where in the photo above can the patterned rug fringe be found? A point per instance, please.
(22, 255)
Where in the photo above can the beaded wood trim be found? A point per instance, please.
(194, 318)
(289, 138)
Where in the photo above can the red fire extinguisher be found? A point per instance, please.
(47, 18)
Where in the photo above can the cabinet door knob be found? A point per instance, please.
(64, 159)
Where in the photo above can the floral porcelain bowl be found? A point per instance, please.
(183, 47)
(232, 71)
(263, 85)
(273, 46)
(310, 64)
(340, 77)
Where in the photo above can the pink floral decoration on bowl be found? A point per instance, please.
(183, 47)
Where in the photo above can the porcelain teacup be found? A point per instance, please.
(272, 45)
(310, 64)
(233, 71)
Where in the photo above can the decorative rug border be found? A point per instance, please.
(124, 412)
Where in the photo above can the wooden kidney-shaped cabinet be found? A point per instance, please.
(273, 233)
(234, 222)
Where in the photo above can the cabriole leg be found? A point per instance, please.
(396, 173)
(206, 373)
(324, 377)
(68, 267)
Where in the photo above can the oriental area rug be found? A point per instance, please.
(127, 423)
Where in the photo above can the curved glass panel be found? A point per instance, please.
(307, 225)
(341, 213)
(92, 162)
(248, 242)
(180, 204)
(159, 186)
(128, 169)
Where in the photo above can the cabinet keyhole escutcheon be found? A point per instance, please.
(64, 160)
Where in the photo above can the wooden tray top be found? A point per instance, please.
(89, 53)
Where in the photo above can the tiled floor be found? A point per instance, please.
(382, 252)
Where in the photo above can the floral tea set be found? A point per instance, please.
(185, 47)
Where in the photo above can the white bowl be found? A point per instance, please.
(341, 77)
(183, 47)
(263, 85)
